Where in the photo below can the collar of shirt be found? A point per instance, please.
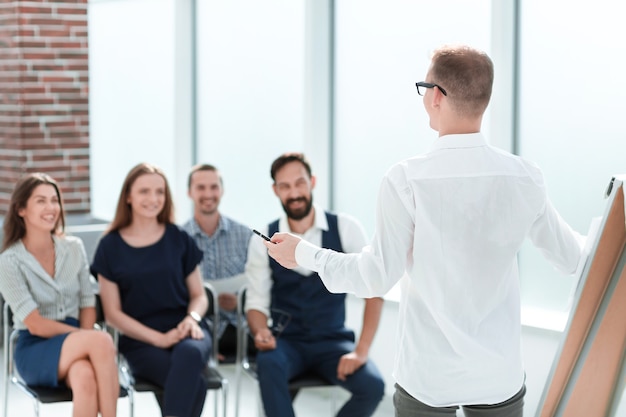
(34, 265)
(222, 225)
(468, 140)
(313, 235)
(320, 223)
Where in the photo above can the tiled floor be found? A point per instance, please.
(312, 402)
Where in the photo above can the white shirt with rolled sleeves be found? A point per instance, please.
(258, 272)
(449, 226)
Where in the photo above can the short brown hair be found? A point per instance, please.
(467, 76)
(14, 226)
(286, 158)
(123, 213)
(203, 167)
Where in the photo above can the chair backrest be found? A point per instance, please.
(242, 328)
(213, 315)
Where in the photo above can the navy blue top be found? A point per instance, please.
(313, 311)
(151, 279)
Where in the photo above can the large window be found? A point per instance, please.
(131, 93)
(382, 49)
(250, 97)
(571, 107)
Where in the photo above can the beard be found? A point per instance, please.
(300, 213)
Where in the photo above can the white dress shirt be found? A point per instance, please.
(258, 272)
(450, 224)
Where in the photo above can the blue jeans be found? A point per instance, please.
(290, 358)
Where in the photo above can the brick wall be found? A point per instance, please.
(44, 123)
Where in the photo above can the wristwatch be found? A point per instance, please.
(195, 316)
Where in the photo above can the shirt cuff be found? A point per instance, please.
(87, 300)
(305, 255)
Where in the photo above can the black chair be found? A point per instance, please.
(215, 380)
(247, 363)
(39, 395)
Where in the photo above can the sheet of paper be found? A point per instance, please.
(229, 285)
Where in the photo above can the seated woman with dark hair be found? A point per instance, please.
(44, 276)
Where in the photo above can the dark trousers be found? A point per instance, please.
(290, 358)
(408, 406)
(179, 370)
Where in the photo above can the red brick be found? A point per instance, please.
(77, 54)
(72, 11)
(62, 44)
(30, 44)
(43, 54)
(54, 32)
(42, 21)
(76, 23)
(59, 123)
(35, 89)
(50, 66)
(22, 9)
(29, 101)
(57, 79)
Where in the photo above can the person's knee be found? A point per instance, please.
(189, 355)
(271, 366)
(377, 388)
(101, 345)
(82, 379)
(371, 385)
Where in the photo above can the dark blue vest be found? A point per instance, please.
(314, 311)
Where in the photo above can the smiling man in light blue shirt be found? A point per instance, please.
(224, 243)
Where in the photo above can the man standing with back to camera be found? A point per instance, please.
(314, 338)
(449, 226)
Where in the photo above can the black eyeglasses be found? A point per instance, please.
(424, 85)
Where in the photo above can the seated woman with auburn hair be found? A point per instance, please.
(44, 276)
(152, 292)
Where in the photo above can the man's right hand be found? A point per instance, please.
(227, 301)
(264, 340)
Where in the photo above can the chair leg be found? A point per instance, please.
(36, 403)
(237, 389)
(5, 400)
(260, 411)
(215, 404)
(131, 402)
(224, 397)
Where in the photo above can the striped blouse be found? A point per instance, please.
(26, 286)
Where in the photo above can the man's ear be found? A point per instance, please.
(437, 97)
(313, 180)
(274, 189)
